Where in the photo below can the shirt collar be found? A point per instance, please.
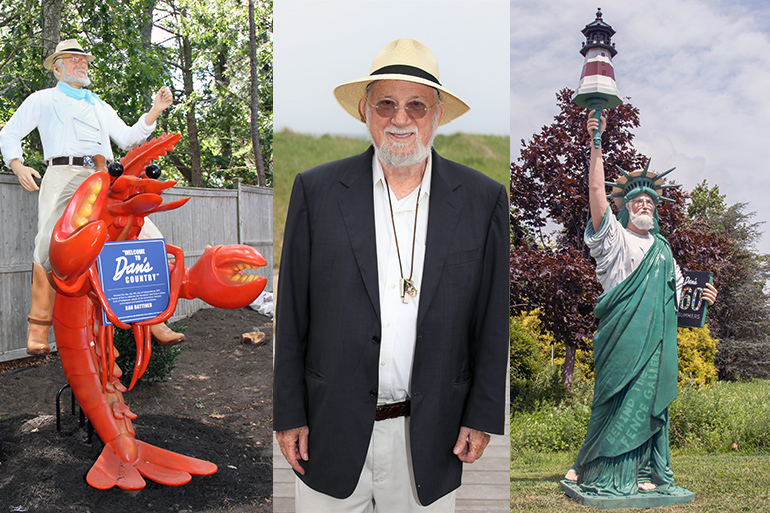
(378, 178)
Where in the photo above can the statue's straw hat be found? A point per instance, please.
(403, 59)
(67, 46)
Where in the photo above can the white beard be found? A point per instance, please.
(69, 79)
(641, 221)
(390, 158)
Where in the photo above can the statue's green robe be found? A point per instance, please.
(635, 358)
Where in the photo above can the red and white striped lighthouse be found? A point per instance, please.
(597, 88)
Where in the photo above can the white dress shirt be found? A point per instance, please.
(69, 127)
(398, 319)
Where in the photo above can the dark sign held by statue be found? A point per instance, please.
(692, 306)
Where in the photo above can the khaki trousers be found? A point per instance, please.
(386, 484)
(58, 185)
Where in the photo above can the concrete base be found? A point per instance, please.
(642, 500)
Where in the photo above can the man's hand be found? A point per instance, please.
(293, 444)
(25, 174)
(592, 124)
(710, 294)
(470, 444)
(163, 98)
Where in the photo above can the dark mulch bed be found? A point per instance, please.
(217, 406)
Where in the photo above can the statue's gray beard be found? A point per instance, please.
(390, 158)
(641, 221)
(66, 77)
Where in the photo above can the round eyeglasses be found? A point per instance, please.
(414, 108)
(76, 59)
(642, 201)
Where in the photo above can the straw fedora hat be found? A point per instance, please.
(403, 59)
(67, 46)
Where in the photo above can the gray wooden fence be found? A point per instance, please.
(243, 215)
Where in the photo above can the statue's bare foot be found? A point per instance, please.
(646, 486)
(571, 475)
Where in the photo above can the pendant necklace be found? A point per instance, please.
(406, 285)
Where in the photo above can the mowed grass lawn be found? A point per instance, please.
(722, 483)
(294, 153)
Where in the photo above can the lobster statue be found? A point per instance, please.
(111, 207)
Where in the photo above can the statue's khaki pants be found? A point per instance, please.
(386, 480)
(58, 185)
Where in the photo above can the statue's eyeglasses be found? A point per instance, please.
(76, 59)
(643, 201)
(414, 108)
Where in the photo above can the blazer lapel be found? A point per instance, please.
(357, 207)
(444, 213)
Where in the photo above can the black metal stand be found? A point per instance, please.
(82, 422)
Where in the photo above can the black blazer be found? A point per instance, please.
(328, 322)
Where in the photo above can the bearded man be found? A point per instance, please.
(626, 449)
(75, 127)
(392, 306)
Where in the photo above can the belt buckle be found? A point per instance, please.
(88, 161)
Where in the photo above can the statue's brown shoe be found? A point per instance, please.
(165, 336)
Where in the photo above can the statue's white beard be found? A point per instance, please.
(69, 79)
(641, 221)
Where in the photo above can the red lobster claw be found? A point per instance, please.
(80, 235)
(219, 279)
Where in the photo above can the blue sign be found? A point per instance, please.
(135, 279)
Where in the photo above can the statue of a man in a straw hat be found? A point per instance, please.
(626, 448)
(75, 127)
(392, 307)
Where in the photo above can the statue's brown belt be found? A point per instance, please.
(87, 161)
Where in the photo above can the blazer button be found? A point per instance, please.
(373, 393)
(376, 339)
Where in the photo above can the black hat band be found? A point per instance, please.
(403, 69)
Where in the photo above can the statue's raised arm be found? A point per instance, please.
(597, 198)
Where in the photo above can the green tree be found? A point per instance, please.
(211, 87)
(209, 51)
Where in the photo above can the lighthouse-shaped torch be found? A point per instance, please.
(597, 89)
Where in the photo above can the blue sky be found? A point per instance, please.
(320, 44)
(699, 71)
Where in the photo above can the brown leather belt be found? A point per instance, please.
(393, 411)
(87, 161)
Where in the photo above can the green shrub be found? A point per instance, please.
(162, 361)
(525, 360)
(550, 428)
(716, 416)
(534, 379)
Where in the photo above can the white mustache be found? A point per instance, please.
(396, 131)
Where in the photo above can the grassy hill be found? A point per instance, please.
(294, 153)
